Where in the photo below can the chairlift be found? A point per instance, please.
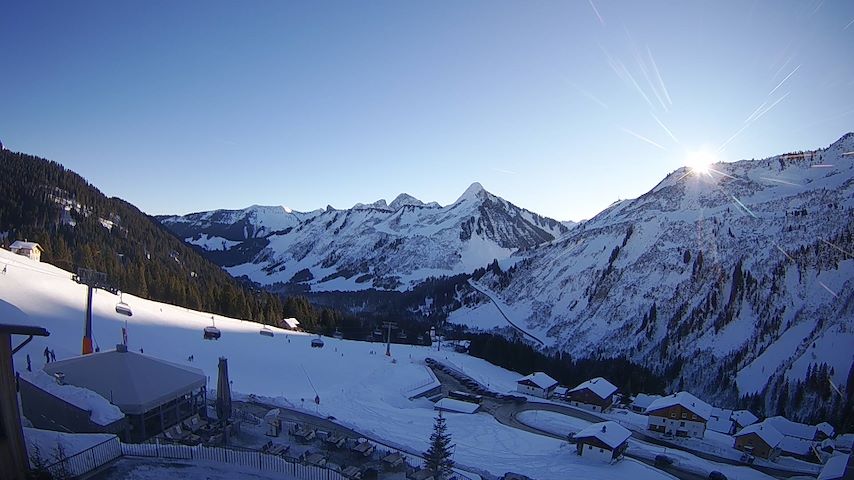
(211, 332)
(378, 333)
(123, 308)
(338, 334)
(402, 335)
(317, 342)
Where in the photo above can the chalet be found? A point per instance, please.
(800, 430)
(538, 384)
(596, 394)
(31, 250)
(839, 467)
(825, 431)
(721, 421)
(843, 443)
(291, 324)
(759, 440)
(605, 441)
(743, 418)
(799, 448)
(642, 402)
(680, 414)
(153, 394)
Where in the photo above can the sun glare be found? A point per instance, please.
(699, 162)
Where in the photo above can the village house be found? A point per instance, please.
(642, 401)
(604, 441)
(800, 430)
(291, 324)
(759, 440)
(720, 420)
(596, 394)
(839, 467)
(538, 384)
(743, 418)
(680, 414)
(31, 250)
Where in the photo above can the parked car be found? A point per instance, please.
(716, 475)
(663, 461)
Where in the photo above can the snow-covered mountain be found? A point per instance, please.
(748, 268)
(378, 245)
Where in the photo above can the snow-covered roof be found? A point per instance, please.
(792, 429)
(643, 400)
(539, 379)
(834, 469)
(101, 410)
(795, 445)
(19, 245)
(599, 386)
(292, 323)
(610, 433)
(454, 405)
(845, 441)
(744, 418)
(825, 428)
(131, 381)
(561, 390)
(686, 400)
(719, 420)
(767, 433)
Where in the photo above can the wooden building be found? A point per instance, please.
(759, 440)
(596, 394)
(605, 441)
(538, 384)
(680, 414)
(152, 393)
(31, 250)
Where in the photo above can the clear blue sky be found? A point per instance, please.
(188, 106)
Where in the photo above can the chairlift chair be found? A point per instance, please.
(211, 332)
(122, 307)
(317, 343)
(338, 334)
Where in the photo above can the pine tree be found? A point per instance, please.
(437, 458)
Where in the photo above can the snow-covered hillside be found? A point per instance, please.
(355, 382)
(748, 268)
(378, 245)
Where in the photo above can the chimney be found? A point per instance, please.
(122, 348)
(60, 378)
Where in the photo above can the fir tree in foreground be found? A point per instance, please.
(437, 458)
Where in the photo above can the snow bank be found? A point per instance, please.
(101, 411)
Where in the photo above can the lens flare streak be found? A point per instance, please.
(784, 182)
(838, 248)
(783, 81)
(828, 289)
(641, 137)
(784, 253)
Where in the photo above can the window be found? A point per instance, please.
(601, 451)
(681, 424)
(673, 415)
(589, 447)
(684, 415)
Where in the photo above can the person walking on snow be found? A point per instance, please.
(52, 356)
(46, 355)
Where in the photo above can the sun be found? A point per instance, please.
(700, 161)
